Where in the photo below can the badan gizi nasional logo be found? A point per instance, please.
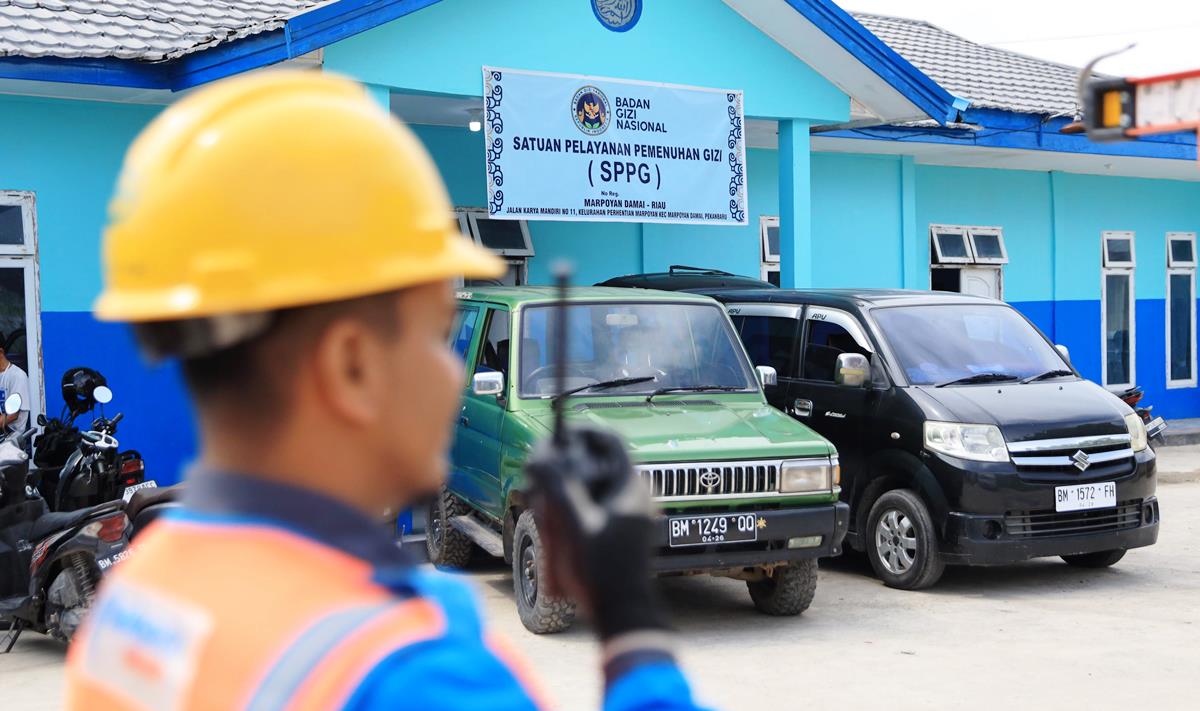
(589, 109)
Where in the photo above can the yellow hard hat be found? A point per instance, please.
(275, 190)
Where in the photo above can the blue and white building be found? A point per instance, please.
(881, 152)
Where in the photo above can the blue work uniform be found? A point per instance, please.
(260, 595)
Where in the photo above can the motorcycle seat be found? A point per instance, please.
(143, 498)
(55, 521)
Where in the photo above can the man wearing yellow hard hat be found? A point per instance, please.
(291, 244)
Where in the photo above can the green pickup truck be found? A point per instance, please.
(744, 490)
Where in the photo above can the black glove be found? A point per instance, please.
(596, 519)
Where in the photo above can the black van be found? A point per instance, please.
(965, 436)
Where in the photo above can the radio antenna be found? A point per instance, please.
(562, 278)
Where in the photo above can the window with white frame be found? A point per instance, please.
(768, 233)
(967, 259)
(507, 238)
(1181, 309)
(1118, 350)
(20, 320)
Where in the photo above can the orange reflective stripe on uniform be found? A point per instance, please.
(296, 582)
(516, 664)
(330, 683)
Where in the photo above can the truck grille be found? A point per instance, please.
(1040, 524)
(703, 479)
(1064, 459)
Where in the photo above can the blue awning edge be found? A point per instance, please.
(925, 93)
(329, 23)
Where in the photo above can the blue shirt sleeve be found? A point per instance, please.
(658, 686)
(451, 676)
(441, 674)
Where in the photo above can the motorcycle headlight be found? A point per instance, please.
(1137, 431)
(981, 443)
(809, 475)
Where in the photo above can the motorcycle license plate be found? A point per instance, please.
(717, 528)
(129, 490)
(1079, 497)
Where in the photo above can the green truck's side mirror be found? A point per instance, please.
(490, 383)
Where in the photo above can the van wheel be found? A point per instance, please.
(902, 541)
(447, 546)
(1100, 559)
(540, 613)
(786, 591)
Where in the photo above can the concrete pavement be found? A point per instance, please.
(1037, 635)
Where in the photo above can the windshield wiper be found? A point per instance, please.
(693, 389)
(1057, 372)
(602, 385)
(979, 378)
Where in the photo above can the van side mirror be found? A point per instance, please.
(767, 375)
(851, 370)
(1064, 352)
(490, 383)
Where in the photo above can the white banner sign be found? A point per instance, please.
(570, 147)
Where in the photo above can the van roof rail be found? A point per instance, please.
(699, 270)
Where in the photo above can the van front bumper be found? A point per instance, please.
(976, 539)
(776, 527)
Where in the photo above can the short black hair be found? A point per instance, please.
(254, 373)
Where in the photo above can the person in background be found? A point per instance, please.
(290, 243)
(13, 381)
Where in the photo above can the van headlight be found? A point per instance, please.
(981, 443)
(1137, 431)
(809, 475)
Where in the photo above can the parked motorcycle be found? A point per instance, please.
(75, 469)
(1155, 426)
(50, 562)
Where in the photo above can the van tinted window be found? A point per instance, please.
(826, 341)
(769, 340)
(971, 339)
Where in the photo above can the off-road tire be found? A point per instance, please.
(787, 591)
(543, 614)
(1099, 559)
(927, 565)
(448, 547)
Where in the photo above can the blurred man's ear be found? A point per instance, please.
(348, 365)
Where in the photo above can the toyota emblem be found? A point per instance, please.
(710, 481)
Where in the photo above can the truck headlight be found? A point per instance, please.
(1137, 431)
(981, 443)
(809, 475)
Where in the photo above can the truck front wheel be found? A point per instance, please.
(787, 591)
(540, 612)
(447, 546)
(902, 542)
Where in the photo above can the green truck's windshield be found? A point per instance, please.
(678, 345)
(942, 344)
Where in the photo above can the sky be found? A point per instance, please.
(1167, 32)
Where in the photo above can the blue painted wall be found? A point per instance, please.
(68, 153)
(857, 219)
(676, 41)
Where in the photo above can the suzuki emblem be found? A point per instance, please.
(710, 481)
(1081, 460)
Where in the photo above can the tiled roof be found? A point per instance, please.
(149, 30)
(989, 77)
